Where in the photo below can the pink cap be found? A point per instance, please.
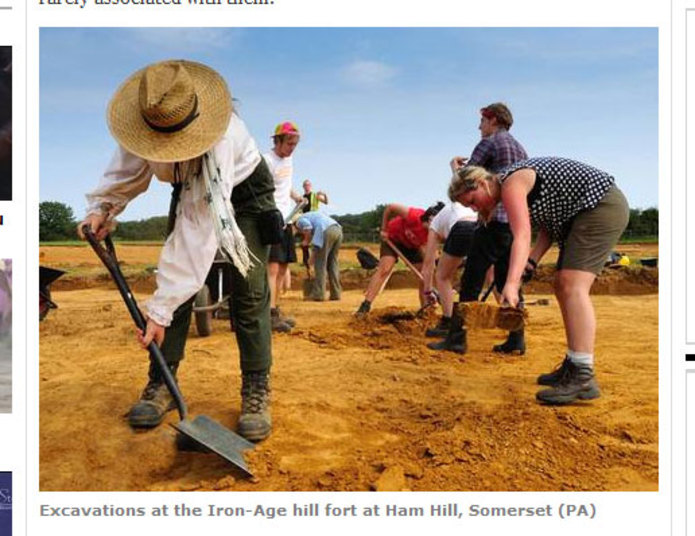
(286, 127)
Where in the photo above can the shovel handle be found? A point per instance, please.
(107, 255)
(406, 261)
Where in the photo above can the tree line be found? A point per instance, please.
(57, 222)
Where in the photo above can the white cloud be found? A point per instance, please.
(368, 74)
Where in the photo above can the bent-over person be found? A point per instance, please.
(406, 228)
(577, 206)
(174, 120)
(325, 235)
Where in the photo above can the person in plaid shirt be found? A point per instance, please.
(492, 241)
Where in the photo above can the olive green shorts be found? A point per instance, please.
(594, 233)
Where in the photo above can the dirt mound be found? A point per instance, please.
(624, 280)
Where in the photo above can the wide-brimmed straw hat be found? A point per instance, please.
(170, 111)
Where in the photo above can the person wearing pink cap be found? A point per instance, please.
(279, 160)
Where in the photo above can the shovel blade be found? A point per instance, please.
(486, 316)
(216, 438)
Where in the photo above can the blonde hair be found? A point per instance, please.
(470, 178)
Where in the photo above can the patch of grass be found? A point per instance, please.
(640, 240)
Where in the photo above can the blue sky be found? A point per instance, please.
(382, 110)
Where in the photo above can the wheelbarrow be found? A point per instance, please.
(201, 433)
(214, 297)
(46, 277)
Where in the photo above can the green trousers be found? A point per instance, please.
(250, 294)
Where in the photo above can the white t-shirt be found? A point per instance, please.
(448, 216)
(281, 168)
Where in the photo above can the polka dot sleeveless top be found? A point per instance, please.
(563, 189)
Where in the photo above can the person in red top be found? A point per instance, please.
(407, 228)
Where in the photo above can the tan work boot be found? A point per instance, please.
(155, 401)
(254, 422)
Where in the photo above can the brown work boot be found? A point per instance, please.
(155, 401)
(277, 323)
(254, 422)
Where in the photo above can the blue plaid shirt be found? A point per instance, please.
(495, 153)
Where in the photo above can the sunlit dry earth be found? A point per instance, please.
(357, 404)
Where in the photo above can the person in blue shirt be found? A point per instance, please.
(325, 235)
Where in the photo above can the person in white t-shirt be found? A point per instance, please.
(279, 159)
(454, 227)
(174, 120)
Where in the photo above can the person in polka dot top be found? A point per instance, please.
(580, 208)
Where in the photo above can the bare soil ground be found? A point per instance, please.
(357, 404)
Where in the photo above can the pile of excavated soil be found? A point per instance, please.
(84, 270)
(624, 280)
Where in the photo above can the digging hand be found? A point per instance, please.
(99, 224)
(153, 332)
(510, 295)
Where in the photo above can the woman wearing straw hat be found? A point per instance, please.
(582, 209)
(174, 120)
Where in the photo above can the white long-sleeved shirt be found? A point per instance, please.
(190, 249)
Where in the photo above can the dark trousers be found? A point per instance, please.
(250, 294)
(491, 245)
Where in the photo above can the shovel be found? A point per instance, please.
(405, 261)
(298, 207)
(202, 431)
(417, 274)
(486, 316)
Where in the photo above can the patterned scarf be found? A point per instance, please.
(230, 239)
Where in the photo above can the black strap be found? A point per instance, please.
(178, 126)
(175, 196)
